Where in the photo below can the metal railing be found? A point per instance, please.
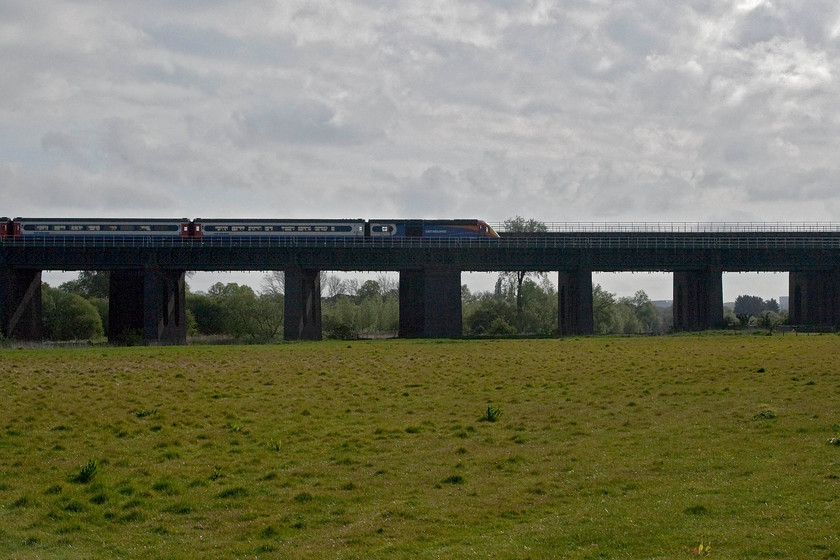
(677, 227)
(606, 240)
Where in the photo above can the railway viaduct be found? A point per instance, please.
(147, 276)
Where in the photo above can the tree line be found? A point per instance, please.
(78, 310)
(517, 305)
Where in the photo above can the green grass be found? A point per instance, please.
(606, 448)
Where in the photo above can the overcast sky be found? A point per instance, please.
(567, 110)
(561, 111)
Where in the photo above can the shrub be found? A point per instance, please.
(70, 317)
(500, 326)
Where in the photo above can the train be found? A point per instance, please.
(237, 228)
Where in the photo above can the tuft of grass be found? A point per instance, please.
(454, 479)
(491, 414)
(99, 498)
(269, 532)
(22, 502)
(303, 497)
(166, 486)
(85, 473)
(145, 413)
(235, 492)
(765, 414)
(696, 510)
(180, 508)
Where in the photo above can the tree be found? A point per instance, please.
(388, 283)
(770, 320)
(351, 287)
(90, 284)
(647, 318)
(484, 309)
(339, 318)
(274, 282)
(370, 289)
(332, 286)
(258, 318)
(537, 316)
(371, 311)
(208, 313)
(603, 309)
(514, 279)
(539, 307)
(466, 295)
(751, 306)
(239, 312)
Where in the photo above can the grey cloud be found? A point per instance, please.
(297, 122)
(812, 21)
(64, 146)
(626, 27)
(761, 24)
(213, 43)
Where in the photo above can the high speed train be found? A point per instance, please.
(199, 229)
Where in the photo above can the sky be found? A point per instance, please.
(562, 111)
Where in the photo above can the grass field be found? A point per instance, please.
(602, 447)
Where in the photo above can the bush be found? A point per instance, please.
(341, 331)
(70, 317)
(500, 326)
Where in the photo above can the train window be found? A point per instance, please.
(237, 228)
(59, 228)
(77, 228)
(94, 228)
(255, 228)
